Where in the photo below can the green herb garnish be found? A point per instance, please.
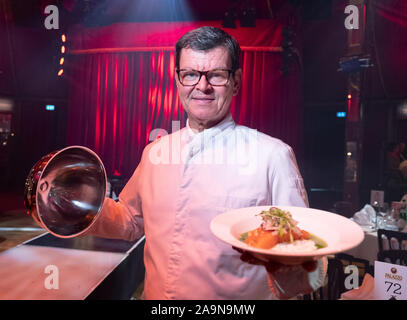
(319, 243)
(243, 236)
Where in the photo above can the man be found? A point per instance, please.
(187, 178)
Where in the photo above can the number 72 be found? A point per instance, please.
(395, 291)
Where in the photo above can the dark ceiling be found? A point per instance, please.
(323, 36)
(103, 12)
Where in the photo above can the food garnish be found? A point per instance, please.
(278, 226)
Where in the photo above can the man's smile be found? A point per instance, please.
(203, 100)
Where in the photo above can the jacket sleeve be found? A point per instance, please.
(287, 185)
(122, 219)
(288, 189)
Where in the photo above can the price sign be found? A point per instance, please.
(390, 281)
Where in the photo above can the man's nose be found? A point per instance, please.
(203, 84)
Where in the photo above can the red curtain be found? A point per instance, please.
(117, 99)
(267, 101)
(390, 37)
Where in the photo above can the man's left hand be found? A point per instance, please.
(270, 265)
(285, 281)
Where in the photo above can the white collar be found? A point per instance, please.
(221, 126)
(198, 140)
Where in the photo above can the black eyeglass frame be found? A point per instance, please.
(201, 73)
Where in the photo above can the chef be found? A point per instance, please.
(190, 176)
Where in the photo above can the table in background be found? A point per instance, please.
(368, 249)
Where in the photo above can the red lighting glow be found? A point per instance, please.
(60, 72)
(63, 49)
(61, 61)
(349, 96)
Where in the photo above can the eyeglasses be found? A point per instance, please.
(217, 77)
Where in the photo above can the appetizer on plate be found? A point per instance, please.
(279, 232)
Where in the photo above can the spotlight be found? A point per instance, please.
(248, 18)
(349, 96)
(402, 111)
(229, 19)
(63, 50)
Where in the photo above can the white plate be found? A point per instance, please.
(338, 232)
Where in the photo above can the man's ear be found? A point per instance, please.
(237, 81)
(176, 78)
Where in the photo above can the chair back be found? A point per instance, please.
(391, 240)
(393, 256)
(336, 279)
(334, 285)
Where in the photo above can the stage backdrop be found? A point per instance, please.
(122, 87)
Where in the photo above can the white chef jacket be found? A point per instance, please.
(183, 181)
